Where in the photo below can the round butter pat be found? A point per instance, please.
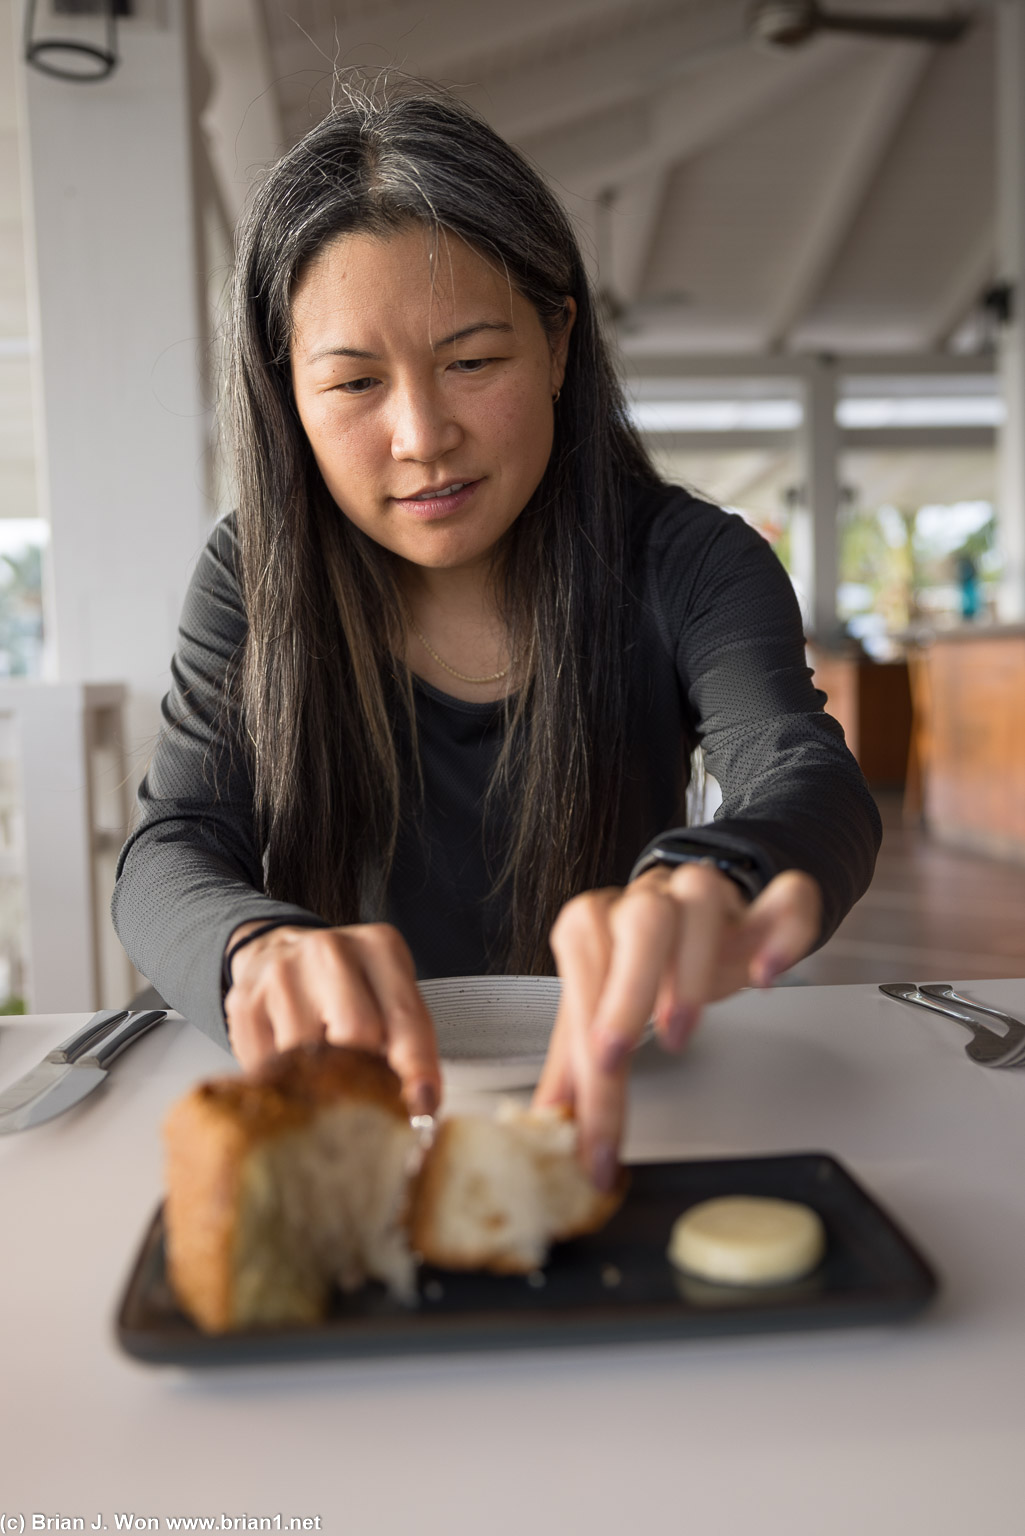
(747, 1240)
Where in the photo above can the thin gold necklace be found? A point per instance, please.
(464, 677)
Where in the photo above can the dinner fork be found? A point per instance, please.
(986, 1047)
(944, 990)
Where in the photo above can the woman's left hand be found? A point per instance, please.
(671, 941)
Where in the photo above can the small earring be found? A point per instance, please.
(555, 397)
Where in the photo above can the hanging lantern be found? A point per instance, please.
(76, 40)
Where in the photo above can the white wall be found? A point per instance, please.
(116, 313)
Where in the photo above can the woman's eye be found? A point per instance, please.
(471, 364)
(357, 386)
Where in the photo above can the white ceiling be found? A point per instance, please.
(837, 197)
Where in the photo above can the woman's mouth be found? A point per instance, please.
(427, 504)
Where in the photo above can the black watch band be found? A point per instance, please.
(738, 867)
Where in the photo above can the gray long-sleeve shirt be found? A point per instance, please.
(717, 660)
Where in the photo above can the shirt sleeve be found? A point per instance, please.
(793, 795)
(192, 868)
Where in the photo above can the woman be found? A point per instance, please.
(440, 677)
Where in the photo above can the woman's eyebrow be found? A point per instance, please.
(315, 357)
(446, 341)
(472, 330)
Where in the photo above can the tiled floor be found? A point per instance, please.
(931, 914)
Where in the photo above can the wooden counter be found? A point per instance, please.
(970, 695)
(872, 702)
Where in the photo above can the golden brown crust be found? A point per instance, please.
(205, 1157)
(284, 1093)
(210, 1133)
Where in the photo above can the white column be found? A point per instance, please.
(814, 536)
(118, 335)
(1010, 167)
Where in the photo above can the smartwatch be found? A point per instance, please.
(741, 868)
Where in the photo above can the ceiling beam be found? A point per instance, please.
(755, 365)
(242, 120)
(634, 213)
(739, 438)
(582, 78)
(609, 148)
(211, 193)
(873, 439)
(881, 439)
(615, 231)
(834, 205)
(965, 289)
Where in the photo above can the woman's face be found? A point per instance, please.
(424, 383)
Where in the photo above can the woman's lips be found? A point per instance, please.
(427, 508)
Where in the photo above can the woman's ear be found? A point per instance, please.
(560, 343)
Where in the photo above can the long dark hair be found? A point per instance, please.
(321, 681)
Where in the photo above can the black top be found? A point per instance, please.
(717, 659)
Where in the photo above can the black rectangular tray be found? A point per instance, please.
(613, 1287)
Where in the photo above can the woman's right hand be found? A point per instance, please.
(352, 986)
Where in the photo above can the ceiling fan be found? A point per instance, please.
(789, 23)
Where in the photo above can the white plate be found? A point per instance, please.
(493, 1031)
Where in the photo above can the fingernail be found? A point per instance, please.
(680, 1026)
(424, 1099)
(604, 1165)
(614, 1051)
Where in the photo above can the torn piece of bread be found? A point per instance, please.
(495, 1194)
(284, 1183)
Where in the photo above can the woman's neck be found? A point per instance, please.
(455, 627)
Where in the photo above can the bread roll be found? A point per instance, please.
(284, 1183)
(495, 1194)
(303, 1176)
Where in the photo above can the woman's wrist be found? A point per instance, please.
(671, 852)
(248, 935)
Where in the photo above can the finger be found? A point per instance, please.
(600, 1101)
(249, 1031)
(709, 906)
(582, 945)
(292, 1013)
(555, 1085)
(332, 970)
(644, 923)
(410, 1041)
(783, 923)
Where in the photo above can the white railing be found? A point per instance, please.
(63, 813)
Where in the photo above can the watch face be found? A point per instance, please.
(741, 868)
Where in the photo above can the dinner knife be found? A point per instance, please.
(73, 1069)
(52, 1068)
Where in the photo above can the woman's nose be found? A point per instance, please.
(423, 427)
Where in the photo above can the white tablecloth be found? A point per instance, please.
(911, 1429)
